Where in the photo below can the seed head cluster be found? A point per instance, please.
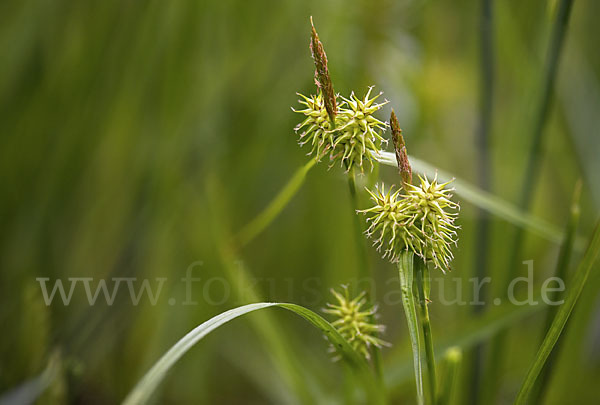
(354, 322)
(421, 220)
(353, 135)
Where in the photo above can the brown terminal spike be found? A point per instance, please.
(322, 79)
(400, 147)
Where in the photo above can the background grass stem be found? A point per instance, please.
(281, 200)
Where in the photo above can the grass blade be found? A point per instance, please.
(146, 386)
(405, 272)
(562, 266)
(577, 284)
(482, 199)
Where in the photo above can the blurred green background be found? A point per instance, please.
(137, 136)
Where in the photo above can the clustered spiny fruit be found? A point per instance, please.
(351, 137)
(420, 220)
(355, 323)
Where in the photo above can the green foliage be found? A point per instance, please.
(118, 118)
(150, 381)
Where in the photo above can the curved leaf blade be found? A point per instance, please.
(150, 381)
(562, 316)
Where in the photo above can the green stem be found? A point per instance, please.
(423, 296)
(264, 219)
(405, 272)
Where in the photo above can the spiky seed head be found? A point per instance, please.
(400, 148)
(354, 138)
(322, 78)
(354, 322)
(421, 220)
(316, 127)
(358, 131)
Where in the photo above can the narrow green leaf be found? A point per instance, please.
(577, 284)
(150, 381)
(405, 272)
(481, 199)
(562, 266)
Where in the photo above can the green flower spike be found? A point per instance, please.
(420, 220)
(354, 323)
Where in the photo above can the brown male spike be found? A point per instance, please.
(322, 78)
(400, 147)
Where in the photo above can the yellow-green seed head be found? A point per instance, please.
(354, 135)
(358, 131)
(421, 220)
(316, 128)
(354, 322)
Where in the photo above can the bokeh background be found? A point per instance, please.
(138, 136)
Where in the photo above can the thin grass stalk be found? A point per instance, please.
(562, 267)
(423, 297)
(578, 283)
(406, 272)
(531, 171)
(281, 200)
(484, 165)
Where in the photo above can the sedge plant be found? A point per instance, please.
(411, 224)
